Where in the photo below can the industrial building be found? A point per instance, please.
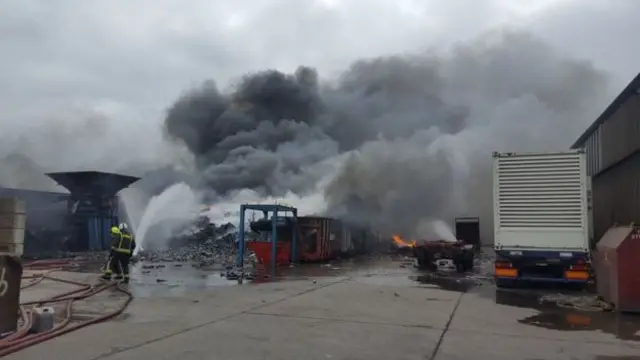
(612, 145)
(75, 221)
(47, 219)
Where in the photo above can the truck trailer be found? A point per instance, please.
(541, 217)
(430, 254)
(468, 230)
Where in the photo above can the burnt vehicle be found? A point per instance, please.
(440, 254)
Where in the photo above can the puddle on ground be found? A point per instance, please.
(178, 279)
(566, 318)
(173, 279)
(450, 282)
(560, 307)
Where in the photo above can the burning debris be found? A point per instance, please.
(437, 254)
(204, 245)
(397, 240)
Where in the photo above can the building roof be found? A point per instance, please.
(632, 89)
(95, 182)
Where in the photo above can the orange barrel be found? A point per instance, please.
(10, 277)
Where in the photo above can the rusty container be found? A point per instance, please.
(314, 238)
(10, 277)
(616, 265)
(13, 218)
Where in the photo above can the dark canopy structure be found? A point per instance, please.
(93, 206)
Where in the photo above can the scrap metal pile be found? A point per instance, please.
(205, 246)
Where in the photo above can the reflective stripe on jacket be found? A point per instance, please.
(124, 244)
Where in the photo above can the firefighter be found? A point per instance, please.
(115, 238)
(122, 247)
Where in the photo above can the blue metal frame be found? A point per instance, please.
(266, 209)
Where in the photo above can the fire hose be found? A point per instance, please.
(21, 338)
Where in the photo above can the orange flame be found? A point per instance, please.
(403, 243)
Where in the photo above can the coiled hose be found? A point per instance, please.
(21, 338)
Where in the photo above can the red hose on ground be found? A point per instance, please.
(21, 338)
(36, 264)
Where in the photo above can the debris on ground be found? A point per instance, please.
(580, 302)
(206, 245)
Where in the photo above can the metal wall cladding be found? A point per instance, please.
(619, 136)
(91, 220)
(10, 278)
(44, 209)
(616, 196)
(593, 150)
(46, 225)
(617, 273)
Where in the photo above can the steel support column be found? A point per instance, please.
(274, 242)
(240, 255)
(294, 238)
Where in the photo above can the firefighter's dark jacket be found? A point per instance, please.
(123, 243)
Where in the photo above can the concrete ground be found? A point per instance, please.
(378, 311)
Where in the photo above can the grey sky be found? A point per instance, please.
(124, 62)
(86, 85)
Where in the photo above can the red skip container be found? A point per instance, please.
(263, 252)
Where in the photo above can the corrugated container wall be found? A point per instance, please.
(616, 195)
(620, 134)
(314, 238)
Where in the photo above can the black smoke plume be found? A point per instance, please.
(412, 135)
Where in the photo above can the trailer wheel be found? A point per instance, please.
(468, 263)
(505, 283)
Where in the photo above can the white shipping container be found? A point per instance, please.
(540, 201)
